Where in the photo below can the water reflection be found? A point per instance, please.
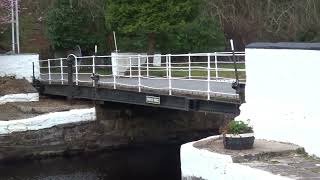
(144, 163)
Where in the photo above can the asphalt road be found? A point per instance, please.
(183, 84)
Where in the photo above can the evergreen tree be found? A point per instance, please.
(161, 25)
(70, 24)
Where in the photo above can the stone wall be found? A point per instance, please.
(148, 124)
(117, 125)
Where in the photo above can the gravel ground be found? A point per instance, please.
(14, 111)
(10, 85)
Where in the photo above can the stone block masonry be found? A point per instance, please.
(117, 125)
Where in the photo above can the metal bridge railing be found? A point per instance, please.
(181, 72)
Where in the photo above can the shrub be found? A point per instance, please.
(238, 127)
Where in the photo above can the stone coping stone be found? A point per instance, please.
(283, 159)
(262, 149)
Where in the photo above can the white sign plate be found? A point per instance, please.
(153, 100)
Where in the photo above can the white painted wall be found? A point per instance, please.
(212, 166)
(19, 65)
(48, 120)
(121, 62)
(30, 97)
(282, 96)
(157, 60)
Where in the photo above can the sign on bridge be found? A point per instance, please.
(153, 100)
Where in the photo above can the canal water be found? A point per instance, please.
(161, 162)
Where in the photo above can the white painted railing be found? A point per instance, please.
(136, 70)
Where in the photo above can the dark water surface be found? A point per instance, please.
(143, 163)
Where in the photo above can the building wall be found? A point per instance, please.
(282, 95)
(19, 65)
(121, 62)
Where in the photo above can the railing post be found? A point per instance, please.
(49, 71)
(189, 59)
(170, 76)
(114, 71)
(70, 60)
(130, 66)
(139, 72)
(234, 61)
(61, 70)
(167, 66)
(76, 66)
(209, 76)
(33, 76)
(216, 64)
(147, 66)
(93, 69)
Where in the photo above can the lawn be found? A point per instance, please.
(198, 71)
(195, 72)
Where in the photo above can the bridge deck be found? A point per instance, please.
(191, 82)
(193, 87)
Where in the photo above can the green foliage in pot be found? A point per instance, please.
(238, 127)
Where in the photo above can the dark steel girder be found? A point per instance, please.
(133, 97)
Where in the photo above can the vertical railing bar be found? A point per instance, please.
(130, 66)
(209, 76)
(170, 76)
(93, 69)
(167, 67)
(147, 67)
(76, 66)
(33, 75)
(216, 65)
(139, 72)
(114, 67)
(61, 70)
(189, 58)
(49, 71)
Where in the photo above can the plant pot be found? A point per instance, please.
(238, 142)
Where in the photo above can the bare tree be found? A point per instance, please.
(267, 20)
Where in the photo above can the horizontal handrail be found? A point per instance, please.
(114, 69)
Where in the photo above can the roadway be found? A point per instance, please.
(194, 85)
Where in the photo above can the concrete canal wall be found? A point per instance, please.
(201, 164)
(282, 93)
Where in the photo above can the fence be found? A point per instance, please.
(202, 72)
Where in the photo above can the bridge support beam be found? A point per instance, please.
(142, 99)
